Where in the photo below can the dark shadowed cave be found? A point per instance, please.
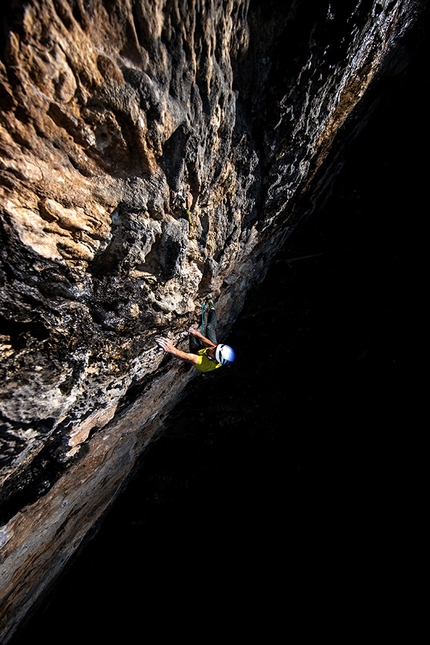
(277, 481)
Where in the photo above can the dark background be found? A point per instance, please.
(282, 485)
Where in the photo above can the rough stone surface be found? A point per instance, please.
(107, 110)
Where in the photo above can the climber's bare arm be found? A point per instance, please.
(168, 346)
(197, 334)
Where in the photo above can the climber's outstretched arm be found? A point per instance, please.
(168, 346)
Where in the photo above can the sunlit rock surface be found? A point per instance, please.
(107, 111)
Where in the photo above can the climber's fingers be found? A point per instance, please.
(164, 343)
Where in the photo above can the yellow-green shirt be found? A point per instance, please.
(205, 363)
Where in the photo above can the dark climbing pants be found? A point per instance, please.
(210, 332)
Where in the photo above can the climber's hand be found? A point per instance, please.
(193, 331)
(165, 344)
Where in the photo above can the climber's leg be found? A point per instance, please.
(211, 325)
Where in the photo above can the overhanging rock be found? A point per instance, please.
(107, 112)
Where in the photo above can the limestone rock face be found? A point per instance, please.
(109, 111)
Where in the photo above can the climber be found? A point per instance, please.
(181, 199)
(205, 354)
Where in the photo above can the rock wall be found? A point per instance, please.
(108, 109)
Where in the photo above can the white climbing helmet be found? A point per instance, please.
(224, 354)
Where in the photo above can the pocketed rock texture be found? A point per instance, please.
(108, 110)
